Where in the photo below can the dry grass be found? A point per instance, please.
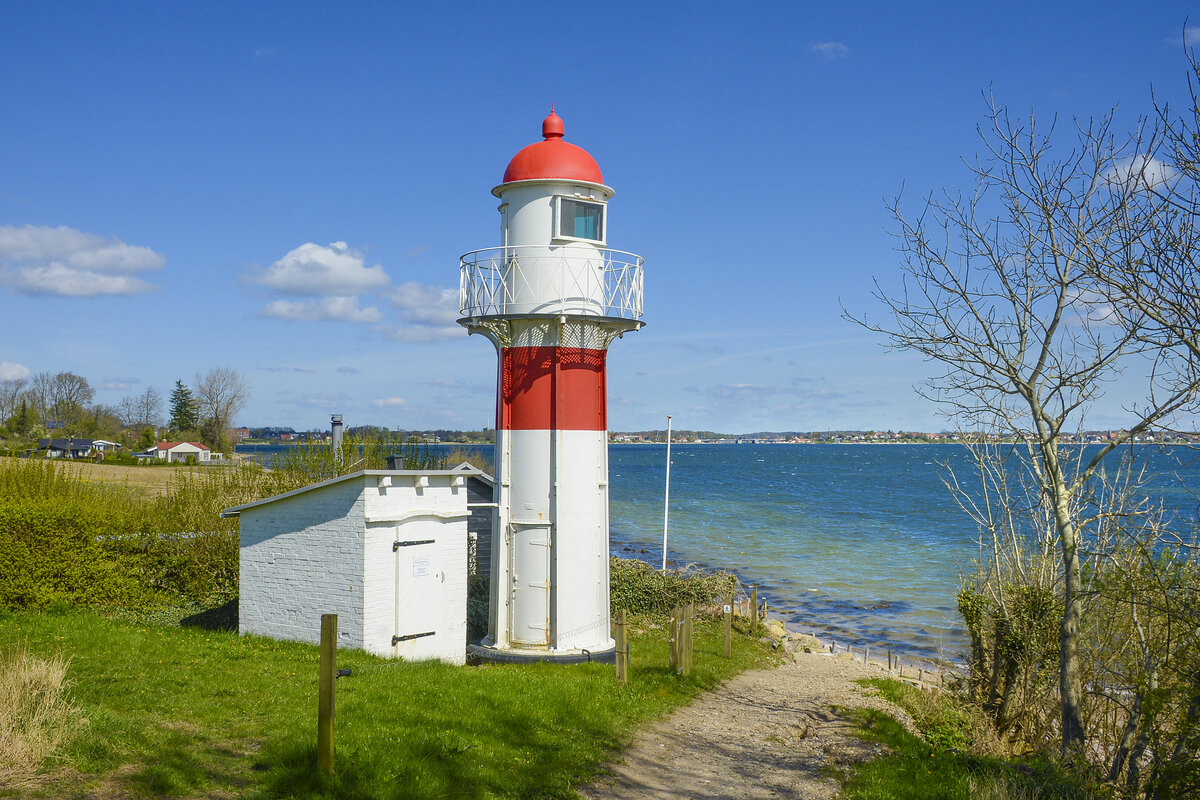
(153, 481)
(37, 719)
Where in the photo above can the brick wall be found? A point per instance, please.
(301, 557)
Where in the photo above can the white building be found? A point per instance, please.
(180, 451)
(385, 550)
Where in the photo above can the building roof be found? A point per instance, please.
(173, 445)
(552, 158)
(62, 444)
(464, 469)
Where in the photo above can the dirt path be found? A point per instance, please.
(765, 734)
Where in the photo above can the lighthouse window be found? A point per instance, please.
(577, 220)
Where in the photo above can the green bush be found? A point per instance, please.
(639, 588)
(51, 552)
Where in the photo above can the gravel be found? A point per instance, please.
(764, 734)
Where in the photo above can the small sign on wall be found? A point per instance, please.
(420, 566)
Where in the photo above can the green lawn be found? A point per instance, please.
(182, 711)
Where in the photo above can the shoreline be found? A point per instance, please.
(796, 623)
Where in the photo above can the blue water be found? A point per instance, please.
(861, 544)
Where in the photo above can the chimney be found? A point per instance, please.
(336, 427)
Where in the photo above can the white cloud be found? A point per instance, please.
(38, 259)
(118, 384)
(12, 371)
(427, 313)
(426, 305)
(327, 309)
(829, 50)
(1139, 172)
(1191, 36)
(388, 402)
(314, 270)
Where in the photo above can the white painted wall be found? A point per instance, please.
(302, 557)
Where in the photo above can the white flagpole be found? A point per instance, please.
(667, 494)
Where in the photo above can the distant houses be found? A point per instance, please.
(74, 448)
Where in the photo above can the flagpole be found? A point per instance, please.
(667, 495)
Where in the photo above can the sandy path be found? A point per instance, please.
(764, 734)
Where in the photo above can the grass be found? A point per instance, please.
(184, 711)
(36, 718)
(955, 758)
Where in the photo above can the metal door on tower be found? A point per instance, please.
(530, 570)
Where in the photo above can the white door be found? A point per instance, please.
(418, 588)
(530, 570)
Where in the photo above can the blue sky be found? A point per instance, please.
(171, 173)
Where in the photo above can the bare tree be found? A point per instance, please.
(1001, 291)
(69, 397)
(39, 394)
(143, 410)
(220, 393)
(10, 397)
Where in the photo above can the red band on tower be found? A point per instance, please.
(552, 388)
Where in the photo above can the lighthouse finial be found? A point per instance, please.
(552, 126)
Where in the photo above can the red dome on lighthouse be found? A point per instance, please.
(553, 158)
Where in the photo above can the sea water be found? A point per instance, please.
(861, 544)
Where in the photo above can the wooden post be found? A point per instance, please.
(729, 627)
(689, 611)
(673, 639)
(754, 611)
(622, 651)
(325, 693)
(866, 650)
(889, 660)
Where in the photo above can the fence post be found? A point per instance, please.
(689, 611)
(673, 639)
(326, 691)
(754, 611)
(622, 653)
(728, 626)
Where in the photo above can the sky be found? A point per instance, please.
(284, 189)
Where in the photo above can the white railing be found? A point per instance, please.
(500, 281)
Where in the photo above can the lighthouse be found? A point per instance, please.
(551, 298)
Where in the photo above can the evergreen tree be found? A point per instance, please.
(184, 408)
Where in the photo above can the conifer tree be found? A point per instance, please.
(184, 408)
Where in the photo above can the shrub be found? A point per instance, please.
(51, 552)
(639, 588)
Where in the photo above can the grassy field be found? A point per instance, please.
(187, 712)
